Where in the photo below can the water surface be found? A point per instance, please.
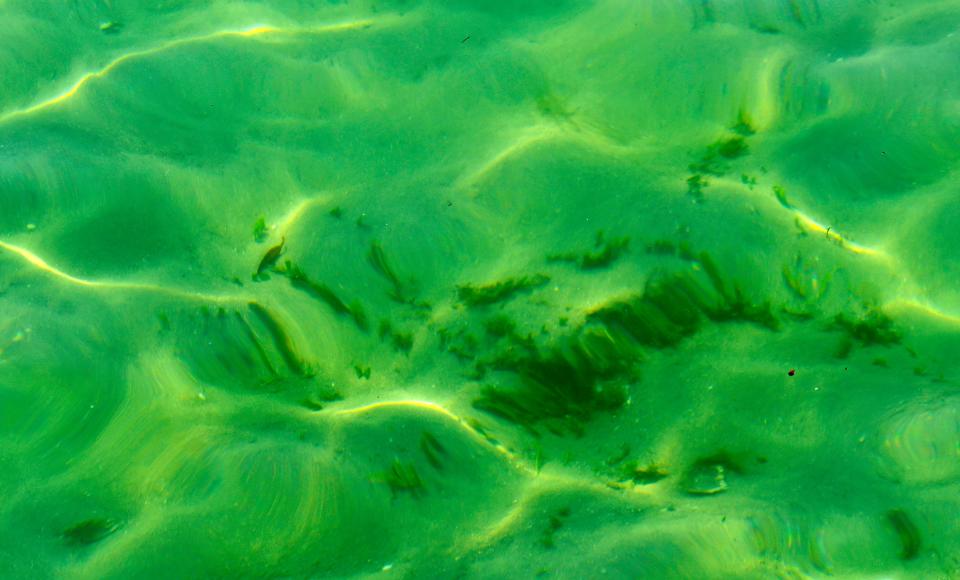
(479, 289)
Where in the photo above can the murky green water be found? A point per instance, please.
(424, 289)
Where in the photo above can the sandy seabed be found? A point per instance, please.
(479, 289)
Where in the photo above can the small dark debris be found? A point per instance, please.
(499, 291)
(363, 371)
(401, 341)
(260, 230)
(401, 478)
(872, 327)
(695, 185)
(110, 27)
(433, 450)
(731, 148)
(89, 531)
(907, 532)
(554, 523)
(269, 259)
(781, 194)
(607, 252)
(319, 399)
(743, 126)
(643, 475)
(766, 29)
(378, 261)
(708, 476)
(620, 456)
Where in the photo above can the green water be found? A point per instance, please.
(479, 289)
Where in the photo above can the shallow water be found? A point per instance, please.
(661, 289)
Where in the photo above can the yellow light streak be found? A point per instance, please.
(247, 32)
(925, 308)
(816, 227)
(441, 410)
(44, 266)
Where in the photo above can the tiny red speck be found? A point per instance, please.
(791, 372)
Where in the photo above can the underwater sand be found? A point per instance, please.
(479, 289)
